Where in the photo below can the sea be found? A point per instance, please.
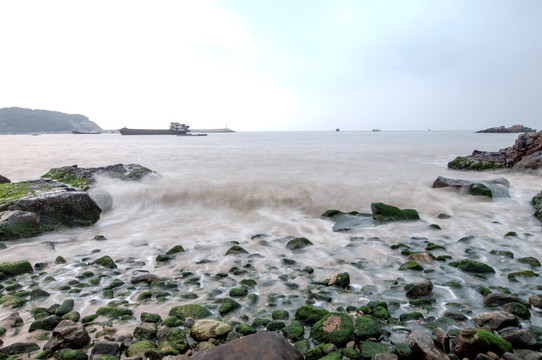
(260, 189)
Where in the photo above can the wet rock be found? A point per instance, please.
(194, 311)
(105, 261)
(499, 299)
(496, 320)
(175, 250)
(340, 280)
(369, 349)
(529, 260)
(535, 300)
(442, 340)
(411, 265)
(172, 341)
(4, 180)
(204, 329)
(421, 257)
(492, 188)
(49, 323)
(298, 243)
(522, 339)
(140, 347)
(517, 309)
(419, 289)
(367, 327)
(16, 224)
(105, 348)
(236, 250)
(261, 346)
(68, 335)
(385, 213)
(19, 348)
(469, 342)
(145, 331)
(472, 266)
(335, 328)
(513, 276)
(65, 307)
(12, 321)
(424, 347)
(114, 312)
(70, 354)
(144, 277)
(309, 315)
(348, 221)
(227, 305)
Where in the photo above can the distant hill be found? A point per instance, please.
(19, 120)
(511, 129)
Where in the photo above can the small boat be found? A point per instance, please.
(376, 129)
(175, 128)
(337, 129)
(93, 132)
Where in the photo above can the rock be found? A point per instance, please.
(496, 320)
(442, 340)
(105, 348)
(348, 221)
(529, 260)
(295, 331)
(65, 307)
(12, 321)
(172, 341)
(411, 265)
(498, 299)
(469, 342)
(421, 257)
(522, 339)
(493, 188)
(473, 267)
(526, 153)
(367, 327)
(536, 301)
(335, 328)
(309, 315)
(140, 347)
(537, 203)
(16, 268)
(261, 346)
(144, 277)
(49, 323)
(68, 334)
(385, 213)
(419, 289)
(113, 312)
(227, 305)
(235, 250)
(369, 349)
(84, 178)
(511, 129)
(194, 311)
(204, 329)
(175, 250)
(424, 347)
(70, 354)
(517, 309)
(340, 280)
(105, 261)
(19, 224)
(298, 243)
(102, 198)
(145, 331)
(513, 276)
(4, 180)
(19, 348)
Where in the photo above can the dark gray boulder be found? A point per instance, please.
(68, 335)
(492, 188)
(4, 180)
(424, 347)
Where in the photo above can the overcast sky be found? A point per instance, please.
(277, 65)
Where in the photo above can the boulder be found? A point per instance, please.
(335, 328)
(385, 213)
(526, 153)
(424, 347)
(68, 335)
(421, 289)
(16, 268)
(204, 329)
(470, 342)
(498, 299)
(496, 320)
(19, 224)
(19, 348)
(492, 188)
(4, 180)
(261, 346)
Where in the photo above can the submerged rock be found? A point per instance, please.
(473, 267)
(470, 342)
(385, 213)
(492, 188)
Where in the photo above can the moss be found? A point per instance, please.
(350, 353)
(504, 253)
(89, 318)
(16, 268)
(385, 213)
(235, 250)
(370, 348)
(69, 354)
(172, 322)
(64, 175)
(175, 250)
(526, 273)
(172, 341)
(245, 329)
(294, 331)
(309, 315)
(411, 265)
(140, 347)
(248, 282)
(194, 311)
(532, 261)
(432, 246)
(150, 318)
(492, 341)
(239, 292)
(472, 266)
(227, 306)
(13, 191)
(105, 261)
(367, 327)
(468, 163)
(280, 315)
(411, 316)
(298, 243)
(335, 328)
(114, 312)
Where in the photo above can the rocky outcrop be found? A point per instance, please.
(511, 129)
(492, 188)
(4, 180)
(525, 154)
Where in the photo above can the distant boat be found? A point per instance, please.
(93, 132)
(376, 129)
(337, 129)
(175, 128)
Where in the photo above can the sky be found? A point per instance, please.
(278, 65)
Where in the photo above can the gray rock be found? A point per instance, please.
(68, 335)
(19, 348)
(496, 320)
(424, 347)
(4, 180)
(495, 188)
(105, 348)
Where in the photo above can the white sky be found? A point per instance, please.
(277, 65)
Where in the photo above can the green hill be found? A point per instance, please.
(19, 120)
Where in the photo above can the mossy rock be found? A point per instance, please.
(69, 354)
(193, 311)
(295, 331)
(411, 265)
(173, 322)
(367, 327)
(469, 163)
(302, 346)
(150, 318)
(245, 329)
(318, 351)
(48, 324)
(227, 305)
(65, 307)
(342, 280)
(470, 342)
(105, 261)
(350, 353)
(411, 316)
(172, 341)
(248, 282)
(472, 267)
(298, 243)
(239, 292)
(16, 268)
(332, 356)
(309, 315)
(369, 349)
(335, 328)
(140, 347)
(114, 312)
(72, 316)
(385, 213)
(175, 250)
(36, 294)
(280, 315)
(517, 309)
(104, 357)
(513, 276)
(529, 260)
(236, 250)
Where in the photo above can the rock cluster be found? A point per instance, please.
(511, 129)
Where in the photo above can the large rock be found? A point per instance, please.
(384, 213)
(526, 153)
(55, 205)
(4, 180)
(19, 224)
(496, 320)
(335, 328)
(492, 188)
(509, 130)
(68, 335)
(424, 347)
(260, 346)
(203, 330)
(470, 342)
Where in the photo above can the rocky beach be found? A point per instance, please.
(418, 291)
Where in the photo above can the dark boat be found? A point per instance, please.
(175, 128)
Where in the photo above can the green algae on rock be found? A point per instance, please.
(105, 261)
(335, 328)
(310, 315)
(16, 268)
(470, 342)
(386, 213)
(193, 311)
(472, 266)
(298, 243)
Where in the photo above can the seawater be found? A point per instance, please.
(214, 191)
